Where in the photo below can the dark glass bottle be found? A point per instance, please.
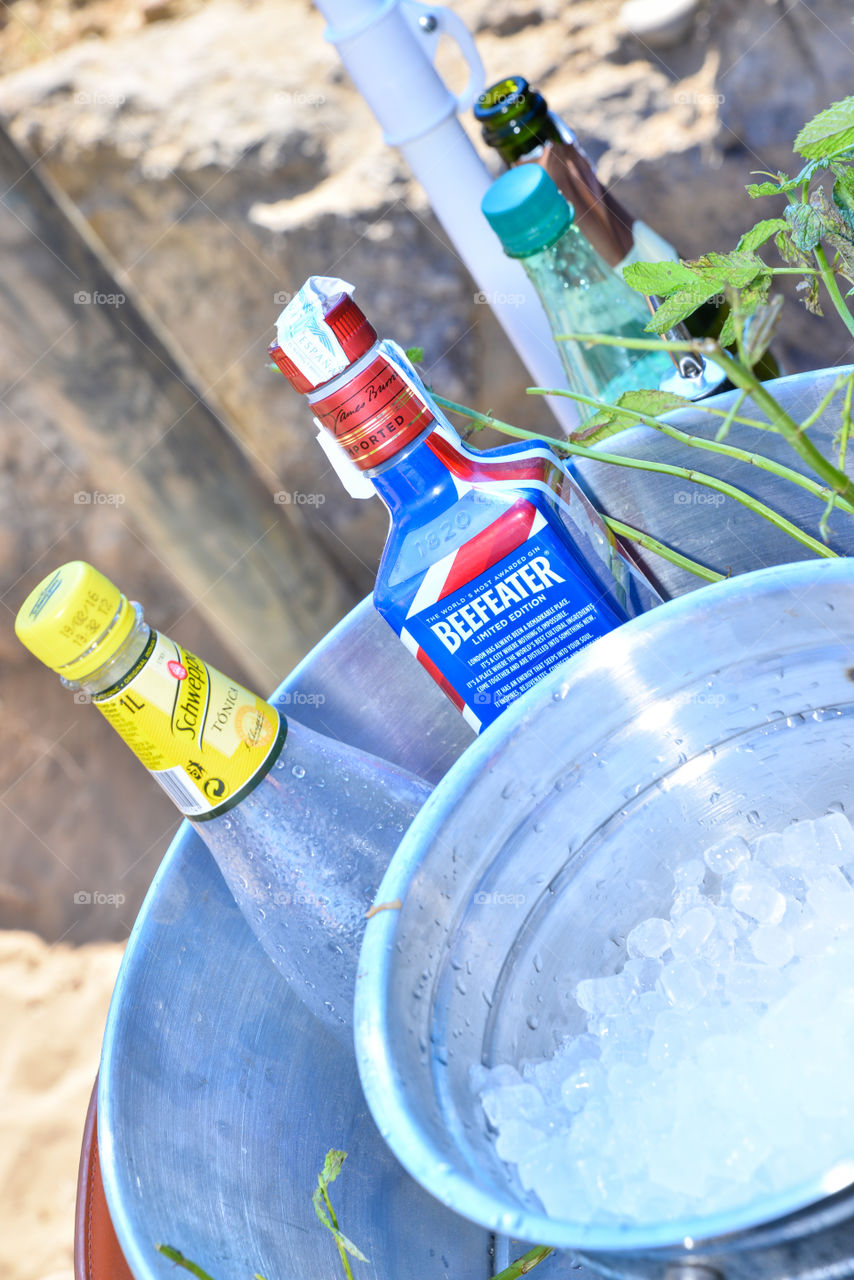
(516, 122)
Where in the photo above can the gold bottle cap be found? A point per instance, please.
(75, 620)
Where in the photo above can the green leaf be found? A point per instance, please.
(659, 278)
(604, 423)
(331, 1168)
(680, 305)
(844, 246)
(710, 275)
(806, 225)
(415, 354)
(653, 403)
(759, 234)
(828, 133)
(810, 295)
(755, 189)
(607, 422)
(787, 250)
(762, 327)
(805, 174)
(843, 195)
(781, 185)
(742, 304)
(737, 268)
(685, 286)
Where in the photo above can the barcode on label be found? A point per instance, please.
(181, 791)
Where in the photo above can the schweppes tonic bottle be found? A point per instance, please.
(301, 826)
(496, 567)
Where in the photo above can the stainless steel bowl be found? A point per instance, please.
(728, 710)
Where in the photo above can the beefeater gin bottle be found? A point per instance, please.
(496, 567)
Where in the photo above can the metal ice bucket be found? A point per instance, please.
(218, 1095)
(730, 710)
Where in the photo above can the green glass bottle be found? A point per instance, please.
(516, 122)
(580, 292)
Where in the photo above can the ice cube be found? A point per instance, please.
(835, 839)
(727, 855)
(800, 844)
(691, 931)
(772, 945)
(756, 897)
(515, 1137)
(579, 1086)
(832, 904)
(603, 997)
(682, 984)
(512, 1102)
(689, 874)
(650, 938)
(769, 850)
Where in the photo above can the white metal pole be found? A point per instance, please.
(386, 46)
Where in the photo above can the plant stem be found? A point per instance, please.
(666, 553)
(526, 1263)
(718, 446)
(723, 429)
(706, 346)
(663, 468)
(345, 1262)
(742, 377)
(176, 1256)
(820, 408)
(828, 276)
(842, 450)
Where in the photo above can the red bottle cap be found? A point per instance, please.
(351, 327)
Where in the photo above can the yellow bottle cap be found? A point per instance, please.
(75, 620)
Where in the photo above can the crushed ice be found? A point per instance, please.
(716, 1065)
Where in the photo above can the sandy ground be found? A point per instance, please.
(53, 1005)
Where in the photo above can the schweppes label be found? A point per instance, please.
(204, 738)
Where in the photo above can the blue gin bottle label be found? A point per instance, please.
(488, 639)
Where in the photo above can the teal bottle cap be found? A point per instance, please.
(526, 211)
